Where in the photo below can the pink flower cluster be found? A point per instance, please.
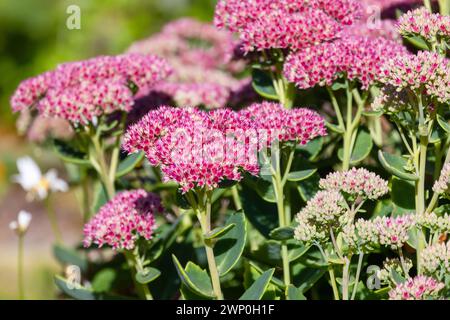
(280, 124)
(417, 288)
(435, 259)
(383, 28)
(354, 57)
(432, 27)
(357, 183)
(190, 42)
(442, 184)
(427, 73)
(80, 91)
(123, 220)
(194, 148)
(281, 24)
(204, 63)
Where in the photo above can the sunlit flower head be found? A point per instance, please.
(80, 91)
(36, 184)
(277, 123)
(20, 226)
(356, 182)
(417, 288)
(435, 259)
(194, 148)
(123, 220)
(442, 184)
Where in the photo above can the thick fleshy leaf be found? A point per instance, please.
(149, 275)
(70, 153)
(312, 149)
(219, 232)
(129, 163)
(263, 85)
(361, 149)
(230, 246)
(395, 165)
(69, 257)
(402, 194)
(194, 278)
(77, 291)
(294, 293)
(443, 123)
(309, 187)
(334, 128)
(282, 233)
(301, 175)
(100, 197)
(259, 287)
(104, 279)
(262, 215)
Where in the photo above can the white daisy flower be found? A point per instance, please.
(34, 182)
(23, 222)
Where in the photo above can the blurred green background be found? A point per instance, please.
(33, 39)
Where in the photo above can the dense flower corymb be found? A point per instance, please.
(194, 148)
(432, 27)
(418, 288)
(356, 182)
(265, 24)
(80, 91)
(441, 185)
(123, 220)
(299, 125)
(353, 57)
(435, 259)
(320, 214)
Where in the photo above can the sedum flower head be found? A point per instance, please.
(356, 182)
(394, 264)
(441, 185)
(266, 24)
(123, 220)
(194, 148)
(435, 260)
(435, 223)
(353, 57)
(417, 288)
(81, 91)
(432, 27)
(280, 124)
(321, 213)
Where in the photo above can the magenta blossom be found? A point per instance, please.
(417, 288)
(123, 220)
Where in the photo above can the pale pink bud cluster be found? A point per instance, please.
(432, 27)
(435, 259)
(393, 232)
(382, 28)
(80, 91)
(357, 183)
(417, 288)
(434, 222)
(386, 231)
(425, 73)
(441, 185)
(357, 58)
(123, 220)
(321, 213)
(295, 24)
(194, 148)
(280, 124)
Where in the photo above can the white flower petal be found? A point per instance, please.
(29, 173)
(24, 219)
(13, 225)
(55, 183)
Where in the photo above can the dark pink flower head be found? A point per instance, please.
(123, 220)
(417, 288)
(80, 91)
(276, 123)
(194, 148)
(357, 58)
(295, 24)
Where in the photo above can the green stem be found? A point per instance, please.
(20, 280)
(337, 109)
(347, 148)
(358, 273)
(99, 162)
(345, 278)
(333, 282)
(236, 198)
(205, 222)
(51, 214)
(142, 289)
